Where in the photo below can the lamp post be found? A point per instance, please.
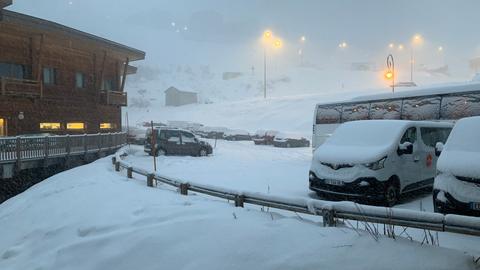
(277, 44)
(390, 75)
(417, 39)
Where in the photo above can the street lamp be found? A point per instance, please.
(390, 74)
(268, 40)
(416, 40)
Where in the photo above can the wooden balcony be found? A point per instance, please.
(20, 88)
(115, 98)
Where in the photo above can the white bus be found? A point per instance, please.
(448, 102)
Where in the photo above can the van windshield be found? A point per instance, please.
(465, 136)
(368, 133)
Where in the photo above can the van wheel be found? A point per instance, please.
(203, 153)
(161, 152)
(391, 194)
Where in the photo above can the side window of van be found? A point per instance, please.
(173, 136)
(409, 136)
(431, 136)
(163, 135)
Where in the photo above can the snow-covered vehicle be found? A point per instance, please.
(377, 160)
(237, 135)
(171, 141)
(457, 184)
(288, 140)
(136, 135)
(265, 137)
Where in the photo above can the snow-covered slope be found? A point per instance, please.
(93, 218)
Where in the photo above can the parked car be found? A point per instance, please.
(176, 142)
(290, 140)
(264, 137)
(457, 184)
(215, 132)
(237, 135)
(377, 160)
(136, 135)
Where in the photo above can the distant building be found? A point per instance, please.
(175, 97)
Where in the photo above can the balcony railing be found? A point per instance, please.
(113, 98)
(20, 87)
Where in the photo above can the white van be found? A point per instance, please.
(457, 185)
(377, 159)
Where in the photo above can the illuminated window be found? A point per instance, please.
(76, 126)
(107, 126)
(50, 126)
(2, 128)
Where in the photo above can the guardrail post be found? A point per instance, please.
(18, 145)
(184, 189)
(85, 147)
(114, 160)
(130, 172)
(150, 180)
(117, 166)
(239, 200)
(67, 145)
(46, 146)
(328, 218)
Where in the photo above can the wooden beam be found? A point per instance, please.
(5, 3)
(124, 78)
(102, 70)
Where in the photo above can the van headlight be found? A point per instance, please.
(378, 165)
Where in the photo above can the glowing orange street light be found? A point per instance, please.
(389, 75)
(267, 34)
(278, 43)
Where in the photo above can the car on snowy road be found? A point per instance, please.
(237, 135)
(171, 141)
(457, 184)
(377, 160)
(264, 137)
(286, 140)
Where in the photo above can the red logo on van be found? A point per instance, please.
(429, 160)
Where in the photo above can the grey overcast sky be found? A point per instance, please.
(208, 29)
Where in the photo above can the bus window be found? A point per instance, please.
(355, 112)
(386, 110)
(329, 114)
(421, 108)
(460, 106)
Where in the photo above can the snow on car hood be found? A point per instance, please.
(361, 142)
(350, 154)
(460, 163)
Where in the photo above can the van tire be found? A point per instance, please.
(391, 193)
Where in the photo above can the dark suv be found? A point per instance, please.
(171, 141)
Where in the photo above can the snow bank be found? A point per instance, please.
(93, 218)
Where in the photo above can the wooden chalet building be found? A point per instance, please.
(55, 79)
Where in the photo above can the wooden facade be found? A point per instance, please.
(55, 79)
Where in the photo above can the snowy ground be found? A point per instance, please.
(94, 218)
(244, 166)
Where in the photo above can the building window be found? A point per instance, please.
(107, 85)
(15, 71)
(3, 131)
(75, 126)
(80, 80)
(107, 126)
(49, 75)
(50, 126)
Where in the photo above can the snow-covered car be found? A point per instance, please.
(265, 137)
(237, 135)
(171, 141)
(377, 160)
(286, 140)
(457, 184)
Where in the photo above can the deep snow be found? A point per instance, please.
(94, 218)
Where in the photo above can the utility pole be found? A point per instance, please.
(264, 73)
(154, 151)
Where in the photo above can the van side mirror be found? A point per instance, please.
(439, 148)
(405, 148)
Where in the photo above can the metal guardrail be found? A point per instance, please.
(330, 211)
(18, 149)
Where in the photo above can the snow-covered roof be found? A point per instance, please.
(441, 89)
(172, 88)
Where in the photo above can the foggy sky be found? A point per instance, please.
(226, 30)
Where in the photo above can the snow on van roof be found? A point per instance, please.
(366, 141)
(461, 154)
(437, 89)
